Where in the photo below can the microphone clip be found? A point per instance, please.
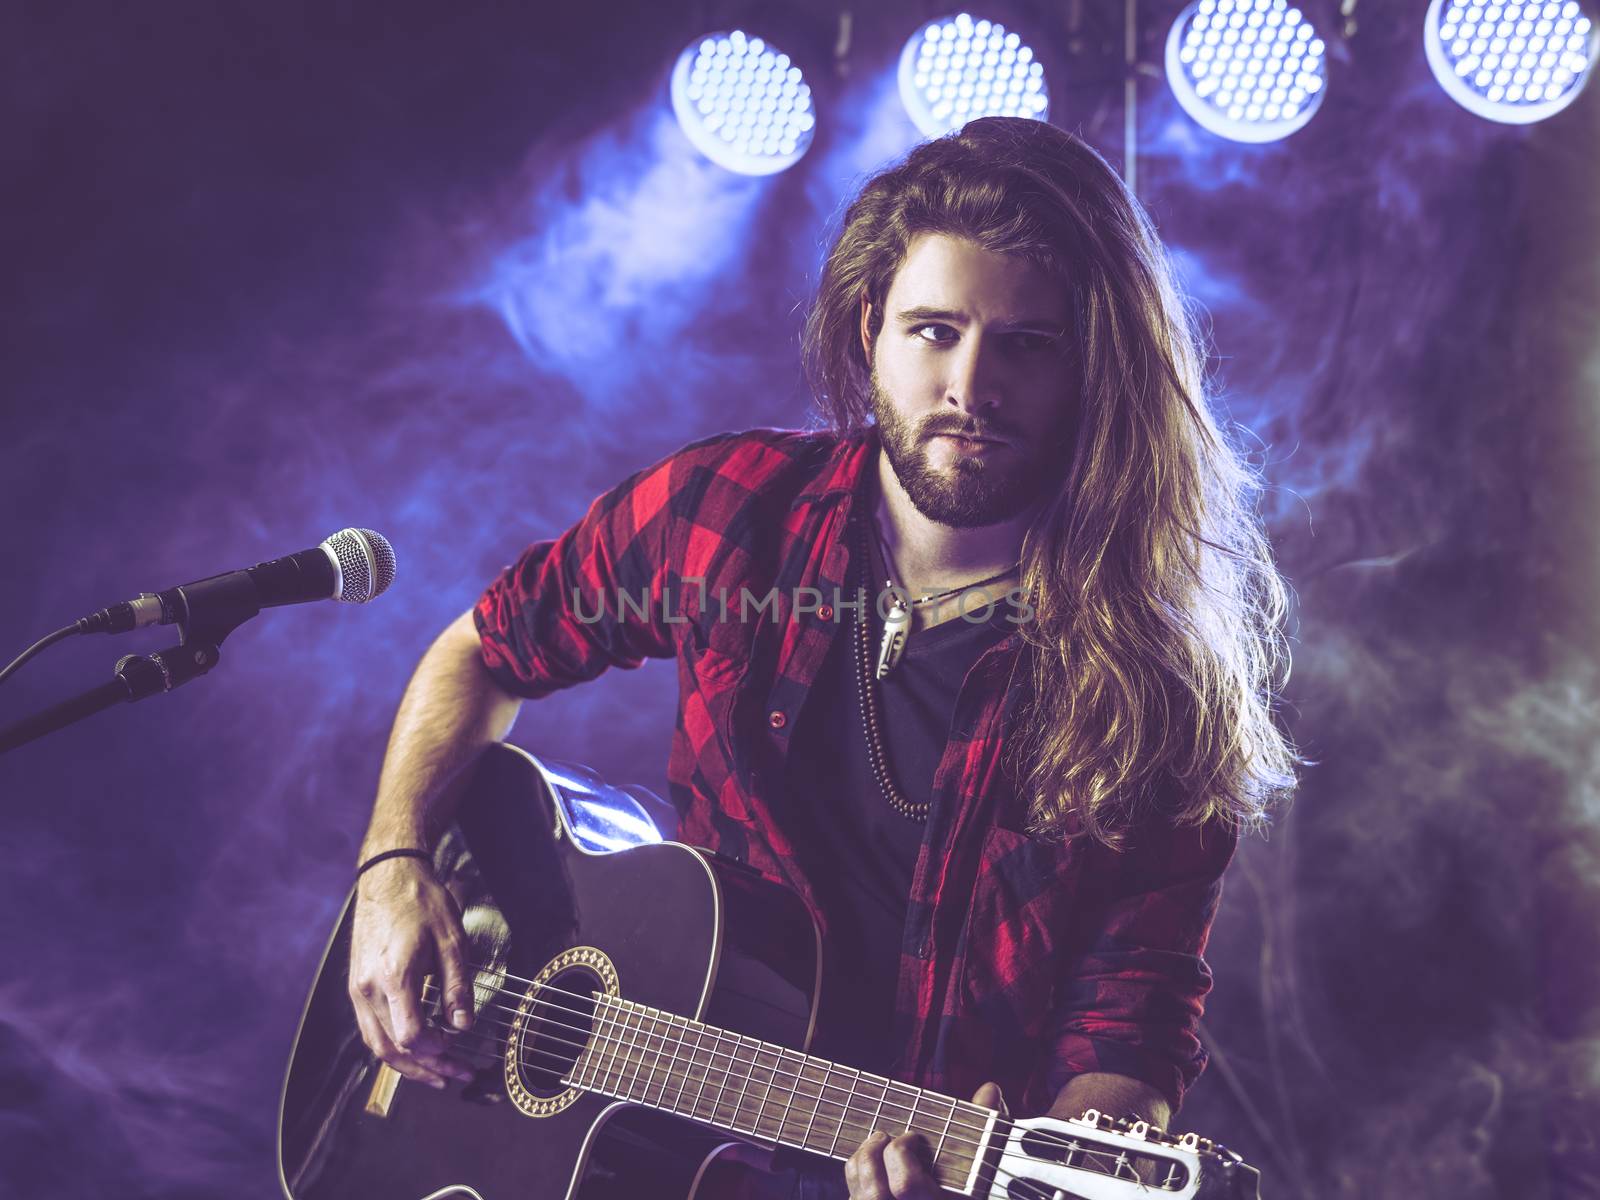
(208, 610)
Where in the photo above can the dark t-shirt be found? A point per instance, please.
(858, 851)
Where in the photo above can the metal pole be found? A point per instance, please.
(1130, 95)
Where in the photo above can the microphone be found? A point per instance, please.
(352, 566)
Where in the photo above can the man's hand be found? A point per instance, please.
(405, 926)
(902, 1167)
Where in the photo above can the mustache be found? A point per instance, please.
(937, 426)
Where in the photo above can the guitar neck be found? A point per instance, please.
(770, 1094)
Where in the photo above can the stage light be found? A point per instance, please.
(1249, 70)
(744, 105)
(957, 69)
(1507, 60)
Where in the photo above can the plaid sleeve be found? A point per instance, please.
(587, 600)
(1132, 999)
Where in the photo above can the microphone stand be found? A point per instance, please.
(205, 611)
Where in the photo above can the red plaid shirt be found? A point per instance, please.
(1024, 962)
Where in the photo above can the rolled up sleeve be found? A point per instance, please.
(593, 598)
(1131, 997)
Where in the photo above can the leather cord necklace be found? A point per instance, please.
(897, 621)
(866, 680)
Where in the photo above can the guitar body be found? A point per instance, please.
(678, 929)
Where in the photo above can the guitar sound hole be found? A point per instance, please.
(557, 1030)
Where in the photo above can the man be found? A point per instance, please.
(1009, 787)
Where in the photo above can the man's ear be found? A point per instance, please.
(866, 330)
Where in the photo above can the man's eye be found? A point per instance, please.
(1032, 341)
(937, 335)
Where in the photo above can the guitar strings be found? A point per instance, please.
(1097, 1159)
(610, 1027)
(621, 1032)
(627, 1030)
(502, 991)
(604, 1086)
(623, 1036)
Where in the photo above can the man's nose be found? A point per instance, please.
(975, 377)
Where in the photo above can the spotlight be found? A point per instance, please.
(1507, 60)
(957, 69)
(1249, 70)
(744, 105)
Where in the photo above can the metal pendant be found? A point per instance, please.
(896, 629)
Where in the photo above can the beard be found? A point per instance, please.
(974, 491)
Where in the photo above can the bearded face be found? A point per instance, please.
(973, 381)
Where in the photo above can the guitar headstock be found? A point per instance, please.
(1100, 1157)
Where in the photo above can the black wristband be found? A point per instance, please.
(405, 852)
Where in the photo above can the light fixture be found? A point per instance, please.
(1249, 70)
(957, 69)
(742, 103)
(1510, 61)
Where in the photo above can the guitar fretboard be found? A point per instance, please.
(767, 1092)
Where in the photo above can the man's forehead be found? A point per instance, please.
(953, 276)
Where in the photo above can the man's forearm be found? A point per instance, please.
(452, 708)
(1115, 1095)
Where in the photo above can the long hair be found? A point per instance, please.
(1157, 645)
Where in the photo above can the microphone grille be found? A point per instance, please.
(366, 564)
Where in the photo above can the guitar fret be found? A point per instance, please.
(624, 1035)
(730, 1078)
(688, 1064)
(945, 1133)
(844, 1114)
(649, 1056)
(666, 1077)
(601, 1066)
(722, 1086)
(694, 1106)
(788, 1097)
(772, 1076)
(877, 1113)
(615, 1087)
(635, 1031)
(749, 1078)
(805, 1138)
(615, 1061)
(652, 1050)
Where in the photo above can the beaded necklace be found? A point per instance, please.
(895, 629)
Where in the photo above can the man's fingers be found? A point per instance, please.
(378, 1042)
(863, 1170)
(457, 1006)
(395, 940)
(989, 1096)
(417, 1040)
(905, 1165)
(406, 1026)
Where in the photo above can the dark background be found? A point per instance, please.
(449, 271)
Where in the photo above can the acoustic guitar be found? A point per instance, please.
(644, 1007)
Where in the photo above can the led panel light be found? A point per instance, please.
(743, 103)
(959, 68)
(1510, 61)
(1248, 70)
